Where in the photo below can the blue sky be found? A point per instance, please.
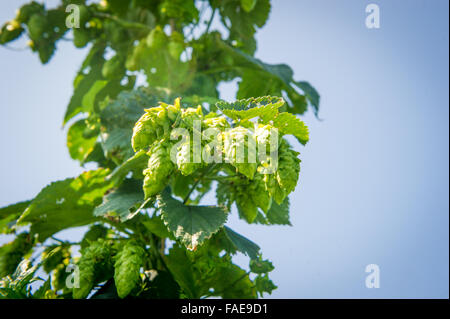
(374, 182)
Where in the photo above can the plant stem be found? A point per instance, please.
(198, 181)
(123, 23)
(210, 20)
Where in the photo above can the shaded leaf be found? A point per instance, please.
(123, 201)
(240, 243)
(79, 146)
(9, 215)
(192, 225)
(264, 107)
(65, 204)
(279, 214)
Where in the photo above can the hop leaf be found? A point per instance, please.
(192, 225)
(288, 123)
(127, 268)
(266, 107)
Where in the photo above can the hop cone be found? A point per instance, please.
(127, 268)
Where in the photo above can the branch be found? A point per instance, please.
(198, 181)
(124, 23)
(210, 20)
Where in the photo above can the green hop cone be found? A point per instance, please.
(213, 121)
(154, 124)
(94, 265)
(250, 195)
(159, 168)
(288, 167)
(185, 158)
(246, 206)
(258, 193)
(240, 150)
(274, 189)
(189, 116)
(12, 253)
(284, 180)
(127, 268)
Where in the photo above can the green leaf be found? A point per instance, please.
(85, 81)
(79, 146)
(243, 22)
(279, 214)
(232, 282)
(161, 69)
(264, 284)
(264, 107)
(192, 225)
(240, 243)
(93, 234)
(156, 226)
(65, 204)
(248, 5)
(311, 94)
(288, 123)
(134, 164)
(181, 268)
(260, 266)
(88, 100)
(42, 290)
(163, 286)
(118, 119)
(259, 78)
(9, 215)
(123, 201)
(17, 285)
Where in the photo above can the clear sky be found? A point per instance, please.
(375, 179)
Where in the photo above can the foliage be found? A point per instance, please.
(147, 235)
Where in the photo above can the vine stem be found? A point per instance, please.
(218, 178)
(124, 23)
(198, 181)
(210, 20)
